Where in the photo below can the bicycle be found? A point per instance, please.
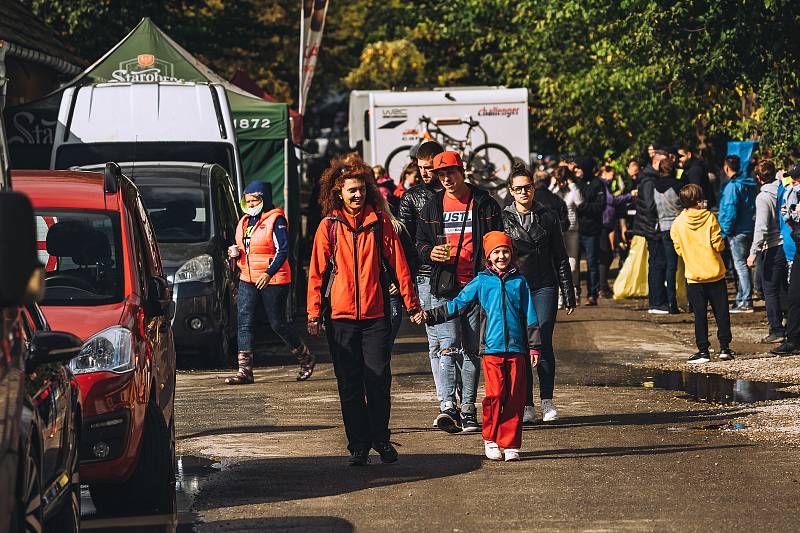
(488, 165)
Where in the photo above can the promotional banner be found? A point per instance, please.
(312, 25)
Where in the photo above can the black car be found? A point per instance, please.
(40, 412)
(194, 213)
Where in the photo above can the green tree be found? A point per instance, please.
(388, 64)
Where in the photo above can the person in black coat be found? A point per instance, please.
(646, 225)
(550, 200)
(590, 222)
(535, 232)
(695, 171)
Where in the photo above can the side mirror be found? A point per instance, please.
(21, 277)
(159, 297)
(52, 347)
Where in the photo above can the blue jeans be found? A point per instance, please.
(464, 363)
(545, 300)
(590, 248)
(274, 298)
(440, 337)
(740, 250)
(774, 285)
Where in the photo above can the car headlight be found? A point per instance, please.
(200, 268)
(111, 350)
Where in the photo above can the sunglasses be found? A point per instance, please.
(521, 189)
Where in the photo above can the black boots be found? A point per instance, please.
(245, 374)
(306, 360)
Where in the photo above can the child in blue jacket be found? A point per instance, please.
(510, 332)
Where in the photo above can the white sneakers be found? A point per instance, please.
(511, 454)
(529, 415)
(492, 450)
(549, 412)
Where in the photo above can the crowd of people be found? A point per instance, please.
(487, 275)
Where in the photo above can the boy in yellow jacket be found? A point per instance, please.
(697, 238)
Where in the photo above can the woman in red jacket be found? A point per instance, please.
(356, 256)
(262, 256)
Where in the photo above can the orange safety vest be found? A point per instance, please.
(262, 250)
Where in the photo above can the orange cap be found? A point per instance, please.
(447, 159)
(493, 239)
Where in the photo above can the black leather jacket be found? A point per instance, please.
(540, 251)
(646, 221)
(411, 204)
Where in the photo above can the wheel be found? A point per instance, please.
(151, 488)
(29, 513)
(397, 161)
(68, 518)
(489, 166)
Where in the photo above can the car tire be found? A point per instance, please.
(68, 518)
(28, 514)
(151, 488)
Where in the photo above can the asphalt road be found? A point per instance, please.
(623, 457)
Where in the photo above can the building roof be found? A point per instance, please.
(19, 26)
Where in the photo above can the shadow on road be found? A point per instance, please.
(619, 451)
(298, 478)
(298, 523)
(251, 429)
(642, 419)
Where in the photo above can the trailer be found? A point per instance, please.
(487, 125)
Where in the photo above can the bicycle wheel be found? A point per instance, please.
(489, 166)
(397, 161)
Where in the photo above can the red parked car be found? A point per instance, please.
(105, 284)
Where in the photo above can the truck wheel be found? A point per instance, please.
(68, 518)
(152, 486)
(28, 515)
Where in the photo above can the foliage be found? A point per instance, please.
(388, 65)
(602, 74)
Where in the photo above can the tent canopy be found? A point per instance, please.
(147, 54)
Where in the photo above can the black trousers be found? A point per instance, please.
(656, 275)
(793, 314)
(699, 296)
(773, 285)
(605, 258)
(361, 356)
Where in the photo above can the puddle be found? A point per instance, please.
(190, 474)
(714, 388)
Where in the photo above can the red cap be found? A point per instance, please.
(493, 239)
(447, 159)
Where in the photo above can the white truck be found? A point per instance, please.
(163, 121)
(487, 125)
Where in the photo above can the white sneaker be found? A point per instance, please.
(529, 415)
(511, 454)
(549, 412)
(657, 311)
(492, 450)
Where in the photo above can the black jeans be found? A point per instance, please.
(700, 295)
(656, 274)
(773, 284)
(793, 314)
(589, 248)
(606, 257)
(361, 360)
(671, 270)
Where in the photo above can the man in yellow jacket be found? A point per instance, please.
(697, 238)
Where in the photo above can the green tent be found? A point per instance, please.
(147, 54)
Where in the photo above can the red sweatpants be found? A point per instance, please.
(504, 380)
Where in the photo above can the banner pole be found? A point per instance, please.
(300, 102)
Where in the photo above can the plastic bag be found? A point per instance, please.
(632, 278)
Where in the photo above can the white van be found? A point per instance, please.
(164, 121)
(488, 125)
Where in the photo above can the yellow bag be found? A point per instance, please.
(632, 278)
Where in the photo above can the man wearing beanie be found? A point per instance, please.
(510, 333)
(449, 238)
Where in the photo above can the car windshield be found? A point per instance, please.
(179, 214)
(81, 252)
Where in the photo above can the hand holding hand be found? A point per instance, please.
(419, 317)
(635, 193)
(263, 281)
(534, 357)
(751, 261)
(315, 328)
(440, 253)
(393, 290)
